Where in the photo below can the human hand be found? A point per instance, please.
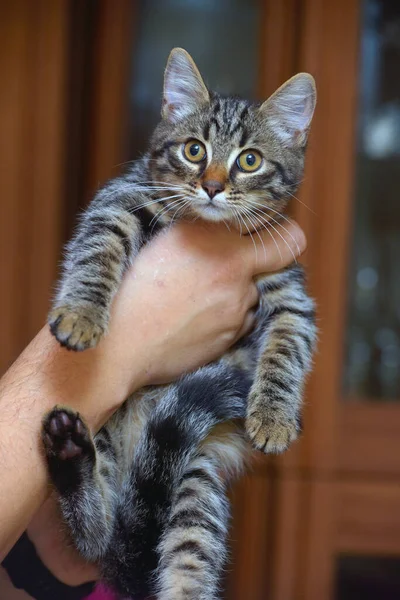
(48, 534)
(189, 295)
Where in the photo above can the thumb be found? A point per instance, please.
(274, 247)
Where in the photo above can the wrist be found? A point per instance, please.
(94, 382)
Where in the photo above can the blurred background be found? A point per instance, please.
(81, 90)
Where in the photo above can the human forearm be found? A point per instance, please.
(45, 375)
(23, 486)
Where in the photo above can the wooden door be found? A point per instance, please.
(34, 70)
(61, 61)
(339, 506)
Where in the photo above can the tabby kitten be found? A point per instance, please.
(146, 497)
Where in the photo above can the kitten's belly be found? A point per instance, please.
(128, 422)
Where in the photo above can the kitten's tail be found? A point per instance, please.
(180, 507)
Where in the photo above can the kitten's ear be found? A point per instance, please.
(290, 109)
(184, 89)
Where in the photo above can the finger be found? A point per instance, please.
(62, 559)
(274, 248)
(253, 296)
(247, 326)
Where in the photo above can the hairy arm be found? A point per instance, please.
(43, 375)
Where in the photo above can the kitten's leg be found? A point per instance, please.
(274, 404)
(108, 237)
(84, 476)
(185, 415)
(193, 547)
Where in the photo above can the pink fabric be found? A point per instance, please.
(101, 593)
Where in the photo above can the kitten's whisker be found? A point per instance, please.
(133, 160)
(126, 187)
(164, 210)
(250, 234)
(239, 223)
(156, 182)
(182, 206)
(157, 201)
(140, 155)
(303, 203)
(297, 183)
(281, 236)
(249, 215)
(288, 232)
(127, 162)
(269, 232)
(151, 193)
(156, 188)
(131, 189)
(263, 206)
(142, 205)
(259, 212)
(226, 224)
(185, 203)
(252, 239)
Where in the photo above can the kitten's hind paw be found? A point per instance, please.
(65, 436)
(269, 434)
(76, 328)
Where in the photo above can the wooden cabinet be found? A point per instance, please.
(336, 492)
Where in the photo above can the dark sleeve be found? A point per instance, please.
(28, 573)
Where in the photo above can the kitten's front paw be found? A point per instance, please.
(269, 432)
(65, 436)
(76, 328)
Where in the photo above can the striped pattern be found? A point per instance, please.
(288, 341)
(146, 498)
(107, 239)
(193, 546)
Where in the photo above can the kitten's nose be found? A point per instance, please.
(213, 187)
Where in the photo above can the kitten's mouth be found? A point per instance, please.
(212, 211)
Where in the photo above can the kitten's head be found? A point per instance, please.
(227, 159)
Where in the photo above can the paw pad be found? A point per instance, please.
(65, 436)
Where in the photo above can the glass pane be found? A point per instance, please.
(227, 61)
(372, 364)
(367, 577)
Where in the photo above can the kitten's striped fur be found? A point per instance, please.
(147, 497)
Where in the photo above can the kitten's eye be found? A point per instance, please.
(194, 151)
(249, 161)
